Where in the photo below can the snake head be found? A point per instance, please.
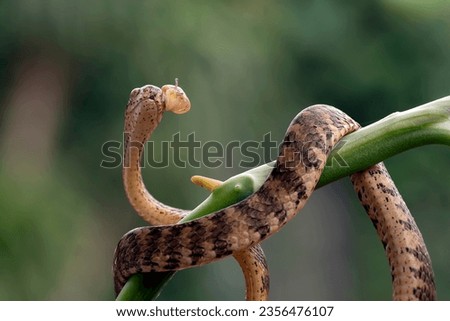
(175, 99)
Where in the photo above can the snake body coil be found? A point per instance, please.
(303, 154)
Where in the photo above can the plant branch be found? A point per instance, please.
(398, 132)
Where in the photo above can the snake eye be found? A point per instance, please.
(175, 99)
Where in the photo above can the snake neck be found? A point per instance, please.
(149, 208)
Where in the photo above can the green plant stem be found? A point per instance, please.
(398, 132)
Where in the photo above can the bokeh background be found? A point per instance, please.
(67, 68)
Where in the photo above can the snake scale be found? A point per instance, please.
(238, 229)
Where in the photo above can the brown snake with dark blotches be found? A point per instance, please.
(143, 113)
(241, 227)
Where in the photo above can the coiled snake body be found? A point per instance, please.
(241, 227)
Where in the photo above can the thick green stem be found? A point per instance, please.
(396, 133)
(426, 124)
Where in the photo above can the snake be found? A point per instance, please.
(143, 113)
(240, 228)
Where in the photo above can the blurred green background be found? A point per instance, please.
(67, 68)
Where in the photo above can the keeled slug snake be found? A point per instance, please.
(238, 229)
